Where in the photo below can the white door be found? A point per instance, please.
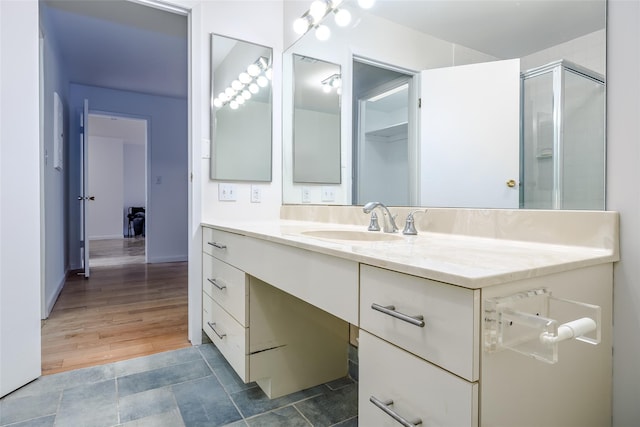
(20, 199)
(84, 197)
(470, 135)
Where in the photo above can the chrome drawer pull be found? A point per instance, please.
(391, 311)
(215, 283)
(399, 418)
(217, 245)
(213, 327)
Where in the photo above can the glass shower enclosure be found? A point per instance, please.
(562, 138)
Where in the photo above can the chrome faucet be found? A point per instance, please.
(388, 224)
(409, 226)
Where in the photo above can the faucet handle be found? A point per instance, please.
(373, 225)
(409, 225)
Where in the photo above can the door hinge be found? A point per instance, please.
(419, 102)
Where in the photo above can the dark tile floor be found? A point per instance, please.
(193, 386)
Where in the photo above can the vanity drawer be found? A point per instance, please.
(229, 336)
(417, 388)
(450, 335)
(223, 245)
(227, 286)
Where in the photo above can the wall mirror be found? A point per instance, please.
(416, 38)
(317, 86)
(241, 110)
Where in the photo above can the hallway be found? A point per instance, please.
(120, 312)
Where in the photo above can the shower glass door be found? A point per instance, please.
(562, 138)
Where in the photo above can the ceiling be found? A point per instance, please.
(120, 44)
(128, 130)
(501, 28)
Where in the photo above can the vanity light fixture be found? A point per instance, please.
(318, 10)
(247, 84)
(334, 81)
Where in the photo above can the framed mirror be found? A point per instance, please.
(417, 36)
(317, 86)
(241, 110)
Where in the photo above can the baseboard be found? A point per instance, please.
(109, 237)
(161, 259)
(54, 296)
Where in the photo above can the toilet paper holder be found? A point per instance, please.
(534, 323)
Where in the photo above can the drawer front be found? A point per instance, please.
(225, 246)
(227, 286)
(418, 389)
(450, 335)
(227, 334)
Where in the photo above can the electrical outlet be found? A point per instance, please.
(306, 195)
(256, 194)
(226, 192)
(328, 194)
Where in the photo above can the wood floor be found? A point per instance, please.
(120, 312)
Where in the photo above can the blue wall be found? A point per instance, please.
(167, 201)
(56, 260)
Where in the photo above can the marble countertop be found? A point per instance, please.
(468, 261)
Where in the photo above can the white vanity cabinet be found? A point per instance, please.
(437, 344)
(441, 373)
(266, 334)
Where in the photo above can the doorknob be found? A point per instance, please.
(511, 183)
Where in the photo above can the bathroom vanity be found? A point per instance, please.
(471, 322)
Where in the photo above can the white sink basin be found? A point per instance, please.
(352, 235)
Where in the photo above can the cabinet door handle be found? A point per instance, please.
(384, 406)
(390, 310)
(215, 283)
(213, 327)
(218, 245)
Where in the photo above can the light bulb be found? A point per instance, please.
(269, 73)
(234, 105)
(339, 91)
(326, 88)
(236, 85)
(323, 32)
(342, 18)
(229, 92)
(253, 70)
(318, 9)
(337, 82)
(244, 78)
(246, 94)
(253, 88)
(301, 25)
(223, 97)
(366, 4)
(240, 100)
(217, 103)
(262, 81)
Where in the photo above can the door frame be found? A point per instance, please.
(147, 153)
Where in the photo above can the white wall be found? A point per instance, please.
(585, 51)
(106, 184)
(134, 176)
(257, 22)
(20, 244)
(623, 195)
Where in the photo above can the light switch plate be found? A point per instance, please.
(328, 194)
(226, 192)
